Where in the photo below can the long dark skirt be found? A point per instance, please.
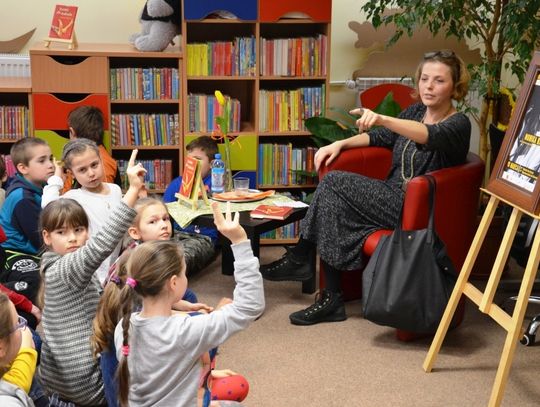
(346, 208)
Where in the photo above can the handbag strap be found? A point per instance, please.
(431, 220)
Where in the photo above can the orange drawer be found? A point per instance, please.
(50, 112)
(317, 10)
(69, 74)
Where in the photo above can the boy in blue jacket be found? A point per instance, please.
(19, 215)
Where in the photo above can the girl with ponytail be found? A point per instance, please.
(158, 350)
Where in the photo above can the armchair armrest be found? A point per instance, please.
(456, 205)
(373, 162)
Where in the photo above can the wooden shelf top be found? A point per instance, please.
(15, 84)
(108, 50)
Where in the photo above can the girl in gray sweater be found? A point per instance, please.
(159, 352)
(71, 291)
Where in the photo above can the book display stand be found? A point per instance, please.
(63, 26)
(511, 323)
(192, 184)
(72, 42)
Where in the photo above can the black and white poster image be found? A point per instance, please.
(523, 164)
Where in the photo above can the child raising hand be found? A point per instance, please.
(71, 291)
(159, 351)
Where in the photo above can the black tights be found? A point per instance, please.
(332, 275)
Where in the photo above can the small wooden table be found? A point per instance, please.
(254, 228)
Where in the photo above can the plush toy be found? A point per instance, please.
(160, 23)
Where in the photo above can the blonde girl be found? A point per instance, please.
(71, 291)
(81, 159)
(152, 222)
(158, 350)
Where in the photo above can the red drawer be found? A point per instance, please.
(50, 112)
(316, 10)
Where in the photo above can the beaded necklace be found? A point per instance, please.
(405, 178)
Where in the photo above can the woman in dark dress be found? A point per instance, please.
(348, 207)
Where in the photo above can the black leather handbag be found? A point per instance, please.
(409, 279)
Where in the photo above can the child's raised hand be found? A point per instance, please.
(227, 225)
(135, 172)
(59, 168)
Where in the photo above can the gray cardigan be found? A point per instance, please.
(71, 297)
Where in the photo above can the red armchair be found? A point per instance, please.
(456, 205)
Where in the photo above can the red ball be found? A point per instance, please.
(234, 388)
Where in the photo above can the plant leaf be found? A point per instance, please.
(388, 106)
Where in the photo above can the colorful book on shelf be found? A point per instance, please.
(271, 212)
(63, 22)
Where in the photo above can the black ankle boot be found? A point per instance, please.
(328, 307)
(288, 268)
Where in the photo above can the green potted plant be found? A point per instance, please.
(507, 32)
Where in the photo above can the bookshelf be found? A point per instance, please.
(138, 93)
(285, 80)
(15, 111)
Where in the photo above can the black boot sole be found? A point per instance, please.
(328, 318)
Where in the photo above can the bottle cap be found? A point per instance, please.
(218, 156)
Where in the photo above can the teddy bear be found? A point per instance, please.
(160, 23)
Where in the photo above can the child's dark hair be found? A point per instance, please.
(6, 325)
(77, 147)
(87, 122)
(20, 151)
(62, 212)
(150, 265)
(206, 144)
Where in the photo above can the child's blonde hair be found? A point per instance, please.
(108, 310)
(77, 147)
(6, 327)
(150, 265)
(144, 203)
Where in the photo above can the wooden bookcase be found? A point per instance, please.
(110, 76)
(284, 136)
(15, 111)
(63, 79)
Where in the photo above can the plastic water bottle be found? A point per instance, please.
(218, 175)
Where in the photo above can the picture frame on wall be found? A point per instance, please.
(515, 176)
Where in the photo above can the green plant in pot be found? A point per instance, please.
(506, 31)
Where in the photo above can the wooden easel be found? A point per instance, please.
(193, 201)
(72, 42)
(512, 324)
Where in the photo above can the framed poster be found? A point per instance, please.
(515, 176)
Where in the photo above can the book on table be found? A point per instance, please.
(271, 212)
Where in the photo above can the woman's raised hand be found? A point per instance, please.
(367, 119)
(227, 225)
